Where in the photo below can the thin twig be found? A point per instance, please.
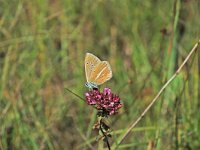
(157, 96)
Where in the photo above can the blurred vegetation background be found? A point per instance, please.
(42, 50)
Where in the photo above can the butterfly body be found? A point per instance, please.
(91, 85)
(97, 72)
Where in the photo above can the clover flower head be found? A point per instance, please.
(106, 102)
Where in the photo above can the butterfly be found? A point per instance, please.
(97, 72)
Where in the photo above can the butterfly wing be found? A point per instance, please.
(101, 73)
(91, 61)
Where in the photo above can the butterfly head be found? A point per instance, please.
(91, 85)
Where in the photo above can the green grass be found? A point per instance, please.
(42, 50)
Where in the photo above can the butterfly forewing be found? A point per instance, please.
(101, 73)
(91, 62)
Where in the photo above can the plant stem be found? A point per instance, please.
(105, 136)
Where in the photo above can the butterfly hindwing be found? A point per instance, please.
(101, 73)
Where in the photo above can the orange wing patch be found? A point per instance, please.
(101, 73)
(91, 62)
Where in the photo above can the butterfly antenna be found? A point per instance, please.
(75, 94)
